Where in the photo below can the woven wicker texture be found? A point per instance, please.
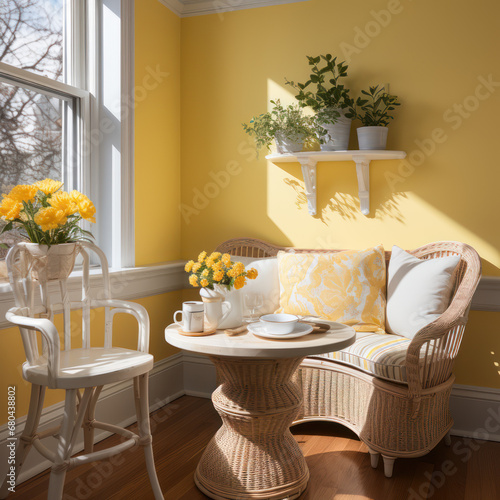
(392, 419)
(254, 455)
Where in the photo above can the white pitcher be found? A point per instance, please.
(235, 318)
(216, 308)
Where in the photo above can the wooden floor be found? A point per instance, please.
(338, 463)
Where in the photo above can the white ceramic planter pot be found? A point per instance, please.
(337, 138)
(288, 144)
(372, 137)
(52, 263)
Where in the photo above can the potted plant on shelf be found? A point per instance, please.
(217, 275)
(288, 126)
(330, 100)
(49, 219)
(374, 112)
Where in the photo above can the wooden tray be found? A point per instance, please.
(197, 334)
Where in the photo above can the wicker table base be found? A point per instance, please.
(254, 455)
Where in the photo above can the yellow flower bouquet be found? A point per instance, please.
(45, 214)
(218, 269)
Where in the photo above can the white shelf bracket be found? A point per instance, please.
(363, 173)
(309, 173)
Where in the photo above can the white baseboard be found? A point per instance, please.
(475, 410)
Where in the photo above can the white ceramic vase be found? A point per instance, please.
(51, 263)
(372, 137)
(338, 133)
(217, 309)
(234, 317)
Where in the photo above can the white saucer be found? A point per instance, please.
(261, 330)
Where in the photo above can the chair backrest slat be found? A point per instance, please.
(37, 297)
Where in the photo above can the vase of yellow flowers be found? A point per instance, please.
(49, 219)
(220, 280)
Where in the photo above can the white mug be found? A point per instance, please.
(192, 317)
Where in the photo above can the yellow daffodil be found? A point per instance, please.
(252, 274)
(205, 272)
(209, 262)
(196, 267)
(23, 192)
(218, 275)
(239, 282)
(50, 218)
(63, 201)
(48, 186)
(193, 280)
(189, 266)
(202, 256)
(226, 259)
(204, 282)
(10, 208)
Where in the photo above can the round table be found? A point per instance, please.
(254, 455)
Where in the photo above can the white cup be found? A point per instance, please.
(192, 317)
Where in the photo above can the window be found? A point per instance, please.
(59, 92)
(42, 117)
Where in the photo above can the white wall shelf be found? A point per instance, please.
(308, 161)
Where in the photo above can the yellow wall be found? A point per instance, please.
(157, 133)
(433, 54)
(157, 191)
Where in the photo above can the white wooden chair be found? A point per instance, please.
(86, 368)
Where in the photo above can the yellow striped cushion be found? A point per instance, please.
(381, 355)
(348, 287)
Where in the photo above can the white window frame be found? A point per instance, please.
(108, 169)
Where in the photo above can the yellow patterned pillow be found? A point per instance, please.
(348, 287)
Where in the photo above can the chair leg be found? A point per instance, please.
(88, 428)
(447, 439)
(388, 465)
(58, 473)
(141, 395)
(25, 440)
(374, 457)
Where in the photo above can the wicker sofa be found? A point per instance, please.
(404, 413)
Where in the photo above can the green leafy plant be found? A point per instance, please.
(285, 122)
(329, 94)
(374, 111)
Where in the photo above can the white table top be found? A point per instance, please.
(251, 346)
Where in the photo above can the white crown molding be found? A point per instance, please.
(190, 8)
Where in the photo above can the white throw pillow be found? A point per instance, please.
(418, 291)
(267, 284)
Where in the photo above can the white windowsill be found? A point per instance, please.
(126, 284)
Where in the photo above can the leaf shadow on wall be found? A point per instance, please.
(347, 206)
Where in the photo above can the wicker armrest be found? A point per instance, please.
(441, 338)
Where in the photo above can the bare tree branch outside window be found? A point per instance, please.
(31, 38)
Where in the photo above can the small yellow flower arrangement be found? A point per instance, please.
(218, 269)
(46, 214)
